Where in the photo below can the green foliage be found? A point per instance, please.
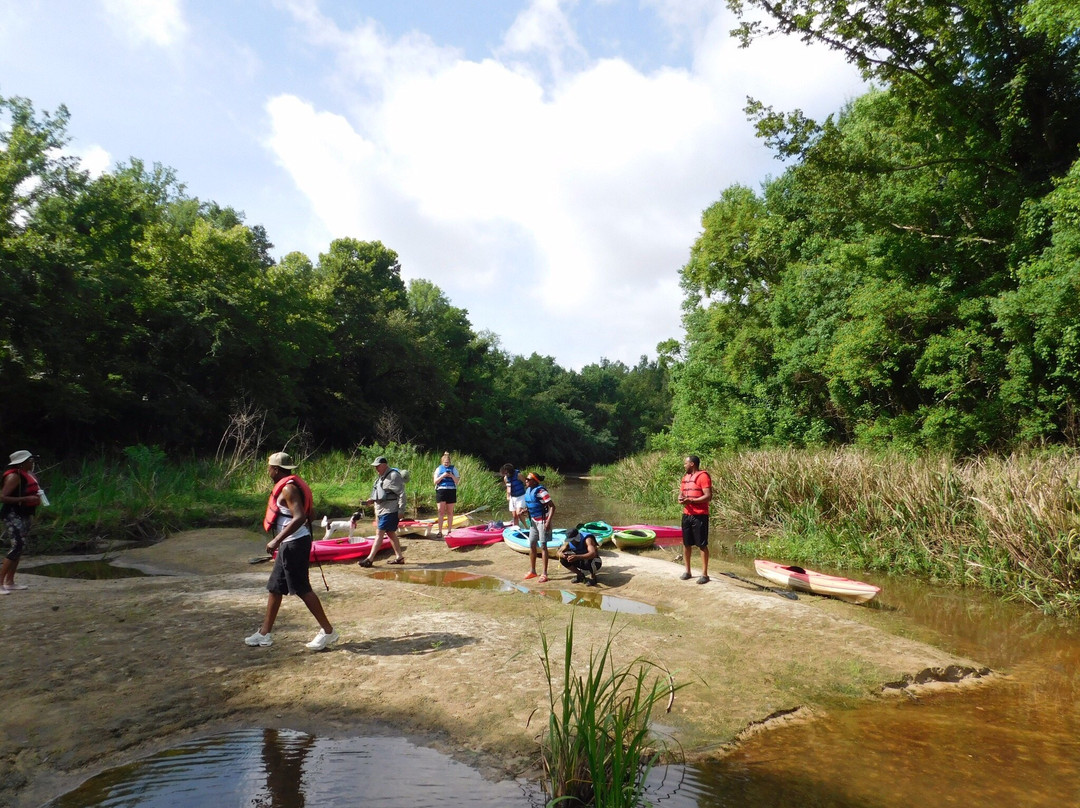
(911, 280)
(136, 314)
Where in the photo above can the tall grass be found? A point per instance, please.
(1011, 523)
(598, 747)
(145, 494)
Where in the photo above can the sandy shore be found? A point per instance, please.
(97, 673)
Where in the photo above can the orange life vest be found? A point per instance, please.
(272, 507)
(691, 487)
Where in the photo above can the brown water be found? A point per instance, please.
(467, 580)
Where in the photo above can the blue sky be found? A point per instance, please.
(545, 163)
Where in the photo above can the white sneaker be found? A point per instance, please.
(258, 638)
(322, 640)
(13, 587)
(4, 590)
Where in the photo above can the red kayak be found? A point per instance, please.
(666, 535)
(475, 535)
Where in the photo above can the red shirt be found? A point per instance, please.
(694, 485)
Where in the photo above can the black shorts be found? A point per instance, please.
(290, 573)
(695, 530)
(446, 495)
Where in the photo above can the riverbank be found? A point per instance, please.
(100, 672)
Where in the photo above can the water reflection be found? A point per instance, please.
(272, 768)
(468, 580)
(97, 570)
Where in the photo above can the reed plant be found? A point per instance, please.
(1008, 523)
(598, 746)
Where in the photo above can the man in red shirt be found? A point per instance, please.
(695, 491)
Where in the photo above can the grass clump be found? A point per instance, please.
(598, 747)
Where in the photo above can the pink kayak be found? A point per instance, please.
(666, 535)
(816, 582)
(343, 549)
(491, 533)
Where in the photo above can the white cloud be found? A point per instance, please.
(159, 22)
(93, 159)
(558, 213)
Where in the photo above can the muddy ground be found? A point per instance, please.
(97, 673)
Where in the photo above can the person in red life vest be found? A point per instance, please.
(20, 497)
(288, 519)
(695, 491)
(541, 508)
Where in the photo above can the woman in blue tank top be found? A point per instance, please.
(446, 483)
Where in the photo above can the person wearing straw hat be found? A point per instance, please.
(20, 496)
(288, 518)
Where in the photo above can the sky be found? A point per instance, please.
(544, 162)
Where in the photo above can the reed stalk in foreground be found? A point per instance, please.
(598, 747)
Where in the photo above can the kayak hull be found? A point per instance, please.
(816, 583)
(634, 538)
(426, 527)
(666, 535)
(475, 535)
(517, 539)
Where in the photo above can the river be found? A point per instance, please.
(1011, 744)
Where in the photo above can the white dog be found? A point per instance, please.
(337, 528)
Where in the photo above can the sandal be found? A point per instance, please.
(397, 561)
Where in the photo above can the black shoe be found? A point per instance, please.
(686, 576)
(591, 582)
(579, 578)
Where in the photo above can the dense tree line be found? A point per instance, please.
(913, 275)
(135, 314)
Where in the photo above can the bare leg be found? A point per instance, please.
(7, 572)
(311, 600)
(705, 561)
(532, 560)
(376, 546)
(392, 535)
(687, 550)
(273, 603)
(449, 516)
(442, 515)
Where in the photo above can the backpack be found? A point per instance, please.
(402, 499)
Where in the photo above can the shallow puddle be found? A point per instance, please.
(98, 570)
(288, 769)
(468, 580)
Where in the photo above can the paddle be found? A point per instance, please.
(784, 593)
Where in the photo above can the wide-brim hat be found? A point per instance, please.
(282, 460)
(18, 457)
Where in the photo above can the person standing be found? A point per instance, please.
(20, 495)
(515, 493)
(288, 519)
(695, 491)
(386, 496)
(581, 554)
(447, 478)
(541, 508)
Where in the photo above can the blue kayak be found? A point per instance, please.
(517, 538)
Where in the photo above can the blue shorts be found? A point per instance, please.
(388, 522)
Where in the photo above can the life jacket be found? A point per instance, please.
(28, 487)
(537, 507)
(272, 507)
(578, 544)
(516, 486)
(691, 487)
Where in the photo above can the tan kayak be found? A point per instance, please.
(817, 583)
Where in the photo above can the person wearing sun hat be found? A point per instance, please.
(288, 518)
(20, 496)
